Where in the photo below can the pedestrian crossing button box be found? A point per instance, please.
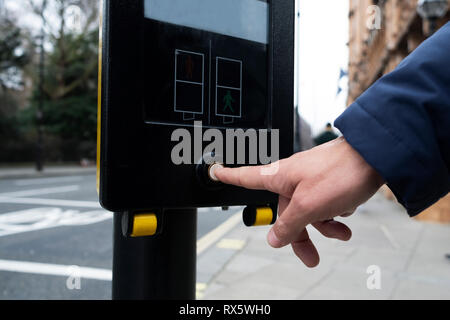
(173, 70)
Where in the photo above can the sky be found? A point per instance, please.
(22, 12)
(323, 37)
(20, 9)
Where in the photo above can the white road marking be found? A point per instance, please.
(39, 192)
(206, 210)
(31, 182)
(54, 270)
(46, 218)
(52, 202)
(105, 274)
(233, 244)
(200, 290)
(213, 236)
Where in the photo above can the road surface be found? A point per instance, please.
(56, 241)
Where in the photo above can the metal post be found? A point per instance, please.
(159, 267)
(40, 106)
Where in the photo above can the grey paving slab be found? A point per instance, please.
(248, 290)
(346, 283)
(409, 254)
(421, 289)
(211, 263)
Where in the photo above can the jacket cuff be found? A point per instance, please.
(407, 177)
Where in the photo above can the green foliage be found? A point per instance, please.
(67, 98)
(71, 68)
(73, 117)
(69, 105)
(13, 58)
(70, 88)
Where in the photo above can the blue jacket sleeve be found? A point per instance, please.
(401, 125)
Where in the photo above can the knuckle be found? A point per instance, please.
(241, 176)
(268, 183)
(299, 204)
(278, 178)
(306, 205)
(282, 230)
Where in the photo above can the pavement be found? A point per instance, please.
(389, 257)
(49, 171)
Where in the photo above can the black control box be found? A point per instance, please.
(186, 84)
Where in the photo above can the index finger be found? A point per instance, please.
(246, 177)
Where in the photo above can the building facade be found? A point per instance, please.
(382, 34)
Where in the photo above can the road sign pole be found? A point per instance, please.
(159, 267)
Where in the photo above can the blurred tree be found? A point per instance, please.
(14, 56)
(70, 74)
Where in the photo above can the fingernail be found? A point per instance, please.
(221, 168)
(273, 240)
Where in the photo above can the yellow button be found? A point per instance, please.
(144, 225)
(264, 217)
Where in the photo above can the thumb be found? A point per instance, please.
(288, 226)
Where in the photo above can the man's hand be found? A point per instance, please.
(314, 186)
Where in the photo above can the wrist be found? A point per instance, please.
(369, 172)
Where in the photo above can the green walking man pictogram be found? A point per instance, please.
(228, 100)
